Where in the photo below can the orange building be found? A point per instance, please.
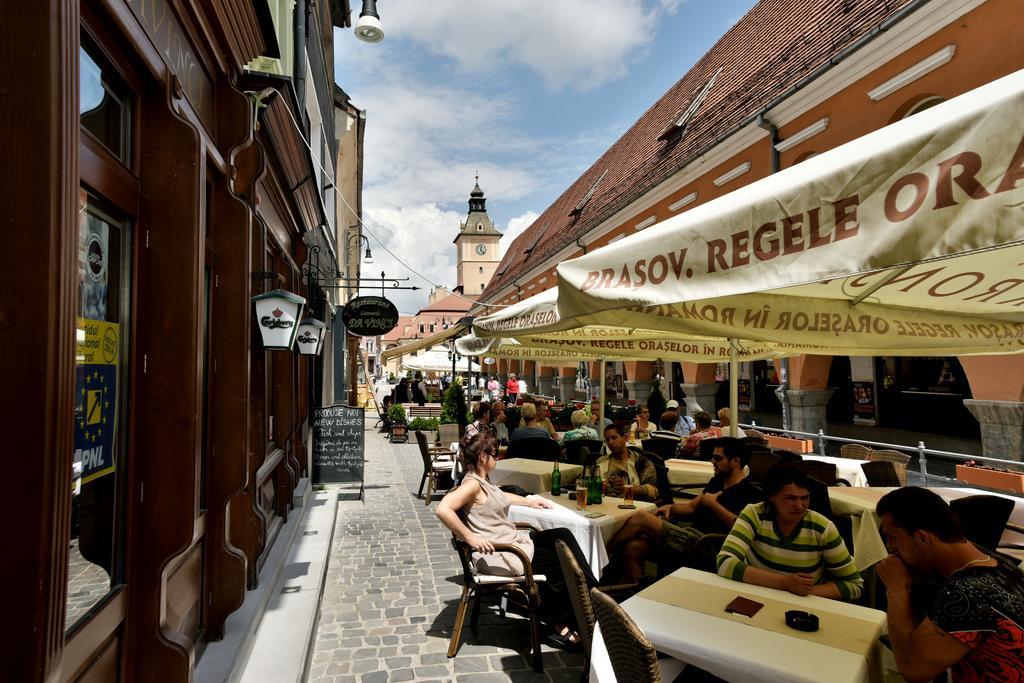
(791, 79)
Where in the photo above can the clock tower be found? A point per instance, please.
(476, 246)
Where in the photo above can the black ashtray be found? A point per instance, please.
(801, 621)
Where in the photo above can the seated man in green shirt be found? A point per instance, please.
(782, 543)
(648, 535)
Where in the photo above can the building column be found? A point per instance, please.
(529, 375)
(566, 383)
(808, 392)
(997, 388)
(807, 409)
(1002, 427)
(699, 385)
(641, 374)
(546, 381)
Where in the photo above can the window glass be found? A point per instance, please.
(100, 406)
(104, 105)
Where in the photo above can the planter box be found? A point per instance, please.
(991, 479)
(795, 445)
(399, 433)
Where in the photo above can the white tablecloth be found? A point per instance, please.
(737, 651)
(592, 533)
(846, 468)
(681, 471)
(532, 475)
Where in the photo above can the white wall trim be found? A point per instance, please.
(904, 78)
(685, 201)
(732, 174)
(807, 133)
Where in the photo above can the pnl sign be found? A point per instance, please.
(97, 352)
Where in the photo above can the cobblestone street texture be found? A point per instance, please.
(392, 589)
(87, 583)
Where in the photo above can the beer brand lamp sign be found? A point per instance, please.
(311, 337)
(369, 316)
(277, 314)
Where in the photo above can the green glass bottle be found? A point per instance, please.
(556, 481)
(596, 484)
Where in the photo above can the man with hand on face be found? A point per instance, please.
(712, 512)
(975, 622)
(622, 466)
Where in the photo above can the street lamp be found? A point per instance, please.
(368, 28)
(367, 257)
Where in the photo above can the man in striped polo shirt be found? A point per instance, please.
(782, 543)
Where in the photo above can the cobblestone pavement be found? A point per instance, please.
(392, 589)
(87, 583)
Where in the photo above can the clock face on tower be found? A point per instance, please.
(481, 249)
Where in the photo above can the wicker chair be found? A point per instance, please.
(632, 655)
(449, 433)
(436, 463)
(881, 473)
(899, 460)
(754, 434)
(854, 451)
(521, 588)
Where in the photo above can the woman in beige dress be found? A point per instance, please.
(477, 513)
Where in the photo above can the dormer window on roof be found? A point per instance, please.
(536, 240)
(679, 127)
(590, 193)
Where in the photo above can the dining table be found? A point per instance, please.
(684, 616)
(592, 527)
(532, 475)
(859, 505)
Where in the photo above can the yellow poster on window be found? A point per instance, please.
(97, 350)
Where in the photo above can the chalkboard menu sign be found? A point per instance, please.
(338, 444)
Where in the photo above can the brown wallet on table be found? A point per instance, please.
(744, 606)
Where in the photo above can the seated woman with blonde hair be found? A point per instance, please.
(477, 513)
(580, 428)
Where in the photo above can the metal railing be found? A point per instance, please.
(922, 452)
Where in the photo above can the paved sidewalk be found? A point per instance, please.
(392, 589)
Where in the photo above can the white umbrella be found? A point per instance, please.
(435, 360)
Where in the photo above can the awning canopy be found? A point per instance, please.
(907, 241)
(437, 360)
(425, 343)
(533, 330)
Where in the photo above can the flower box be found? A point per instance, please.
(1000, 480)
(786, 444)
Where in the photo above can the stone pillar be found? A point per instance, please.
(1002, 427)
(640, 374)
(703, 394)
(807, 409)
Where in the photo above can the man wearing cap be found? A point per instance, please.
(685, 424)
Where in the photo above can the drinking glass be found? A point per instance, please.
(581, 494)
(627, 493)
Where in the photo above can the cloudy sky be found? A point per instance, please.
(527, 92)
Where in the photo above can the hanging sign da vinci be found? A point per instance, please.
(369, 316)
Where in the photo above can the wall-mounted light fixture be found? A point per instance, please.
(367, 257)
(277, 314)
(368, 28)
(310, 338)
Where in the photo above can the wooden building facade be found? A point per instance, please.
(154, 183)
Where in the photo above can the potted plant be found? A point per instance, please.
(399, 426)
(427, 425)
(453, 407)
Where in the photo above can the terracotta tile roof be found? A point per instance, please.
(452, 302)
(775, 46)
(400, 332)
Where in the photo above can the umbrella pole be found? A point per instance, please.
(734, 384)
(601, 410)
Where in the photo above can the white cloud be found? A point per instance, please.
(576, 44)
(421, 236)
(515, 228)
